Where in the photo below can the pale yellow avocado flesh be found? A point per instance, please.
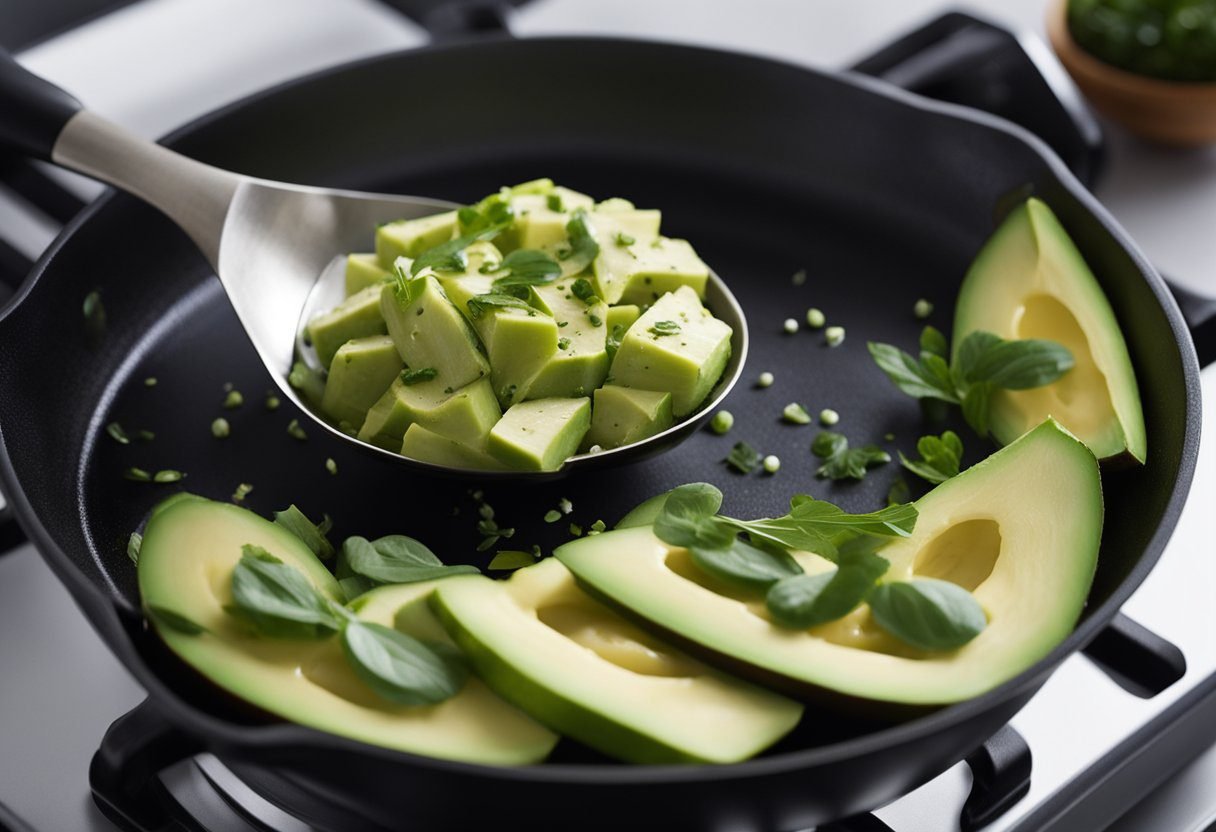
(1020, 530)
(189, 551)
(1030, 281)
(585, 671)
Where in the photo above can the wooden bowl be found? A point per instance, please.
(1176, 113)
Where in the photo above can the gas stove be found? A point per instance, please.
(1120, 737)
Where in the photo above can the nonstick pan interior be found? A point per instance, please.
(767, 169)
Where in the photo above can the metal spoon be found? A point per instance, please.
(272, 244)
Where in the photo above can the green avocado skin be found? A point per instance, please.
(553, 711)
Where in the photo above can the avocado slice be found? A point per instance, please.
(431, 334)
(465, 415)
(361, 371)
(540, 435)
(1020, 530)
(409, 238)
(621, 416)
(642, 271)
(676, 345)
(543, 644)
(189, 551)
(356, 317)
(580, 363)
(362, 271)
(1030, 281)
(428, 446)
(537, 225)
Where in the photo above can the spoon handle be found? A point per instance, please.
(39, 119)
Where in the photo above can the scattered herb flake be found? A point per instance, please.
(118, 434)
(168, 475)
(815, 318)
(331, 466)
(552, 515)
(295, 431)
(134, 542)
(796, 414)
(799, 277)
(828, 417)
(622, 239)
(137, 475)
(563, 343)
(506, 560)
(743, 458)
(722, 422)
(940, 457)
(922, 309)
(583, 290)
(234, 399)
(598, 527)
(272, 401)
(410, 377)
(576, 530)
(834, 336)
(242, 491)
(220, 428)
(94, 315)
(150, 381)
(842, 462)
(565, 505)
(661, 328)
(899, 492)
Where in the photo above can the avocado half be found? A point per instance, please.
(190, 547)
(1020, 530)
(542, 643)
(1030, 281)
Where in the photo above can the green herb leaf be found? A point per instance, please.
(795, 413)
(450, 256)
(805, 601)
(506, 560)
(842, 462)
(241, 492)
(932, 341)
(295, 431)
(816, 525)
(397, 559)
(1016, 365)
(622, 239)
(940, 457)
(743, 458)
(746, 565)
(118, 434)
(481, 303)
(277, 599)
(614, 341)
(528, 267)
(583, 290)
(976, 406)
(400, 668)
(137, 475)
(168, 475)
(410, 377)
(163, 617)
(909, 375)
(134, 543)
(583, 247)
(688, 518)
(94, 316)
(928, 613)
(661, 328)
(313, 535)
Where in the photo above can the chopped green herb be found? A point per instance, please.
(790, 326)
(815, 318)
(506, 560)
(134, 542)
(242, 491)
(595, 320)
(598, 527)
(295, 431)
(661, 328)
(220, 428)
(834, 336)
(137, 475)
(410, 377)
(554, 203)
(576, 530)
(890, 437)
(313, 534)
(799, 277)
(583, 246)
(118, 434)
(272, 402)
(764, 380)
(828, 417)
(331, 466)
(150, 381)
(940, 457)
(565, 505)
(614, 340)
(842, 462)
(922, 309)
(449, 256)
(552, 515)
(527, 267)
(772, 464)
(94, 316)
(796, 414)
(144, 435)
(583, 290)
(168, 475)
(480, 304)
(563, 343)
(722, 422)
(486, 511)
(622, 239)
(234, 399)
(743, 458)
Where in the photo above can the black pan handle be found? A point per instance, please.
(1199, 312)
(35, 110)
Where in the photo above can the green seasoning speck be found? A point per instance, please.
(486, 511)
(150, 381)
(582, 290)
(890, 437)
(598, 527)
(234, 399)
(576, 530)
(134, 543)
(664, 328)
(565, 505)
(743, 458)
(563, 343)
(94, 315)
(834, 335)
(722, 422)
(331, 466)
(828, 417)
(272, 401)
(137, 475)
(790, 326)
(118, 434)
(220, 428)
(168, 475)
(764, 380)
(922, 309)
(295, 431)
(798, 277)
(815, 318)
(554, 202)
(595, 320)
(623, 239)
(552, 515)
(242, 491)
(418, 376)
(771, 464)
(796, 414)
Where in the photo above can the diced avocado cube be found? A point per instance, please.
(362, 271)
(677, 345)
(466, 414)
(409, 238)
(543, 185)
(428, 446)
(580, 363)
(540, 435)
(621, 416)
(622, 316)
(519, 342)
(361, 371)
(431, 333)
(356, 317)
(642, 272)
(615, 203)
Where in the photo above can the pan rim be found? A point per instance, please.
(105, 615)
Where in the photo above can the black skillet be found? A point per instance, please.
(883, 197)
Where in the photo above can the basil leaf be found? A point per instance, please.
(405, 288)
(743, 458)
(933, 342)
(687, 518)
(970, 351)
(170, 620)
(614, 341)
(742, 563)
(842, 462)
(397, 559)
(277, 599)
(411, 377)
(1019, 365)
(479, 304)
(401, 668)
(450, 256)
(495, 209)
(665, 328)
(134, 543)
(809, 600)
(940, 457)
(816, 525)
(295, 521)
(928, 613)
(977, 405)
(528, 267)
(908, 375)
(583, 246)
